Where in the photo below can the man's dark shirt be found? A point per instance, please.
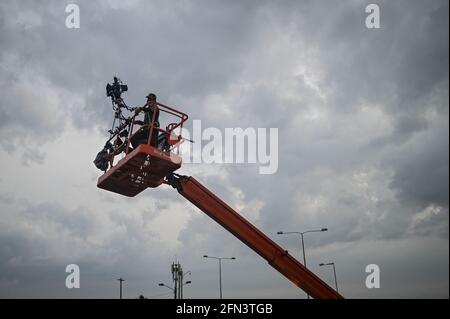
(148, 115)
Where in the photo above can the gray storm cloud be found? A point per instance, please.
(362, 118)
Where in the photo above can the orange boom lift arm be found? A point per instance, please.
(227, 217)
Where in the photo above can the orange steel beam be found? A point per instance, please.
(277, 257)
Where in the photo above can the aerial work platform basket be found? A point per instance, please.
(150, 161)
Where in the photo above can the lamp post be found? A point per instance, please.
(120, 291)
(334, 271)
(161, 284)
(303, 240)
(220, 269)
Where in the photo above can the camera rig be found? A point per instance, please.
(114, 91)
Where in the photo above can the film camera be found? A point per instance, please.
(116, 89)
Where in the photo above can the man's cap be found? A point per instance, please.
(151, 96)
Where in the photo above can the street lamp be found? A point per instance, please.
(220, 269)
(121, 280)
(173, 289)
(334, 270)
(164, 285)
(303, 240)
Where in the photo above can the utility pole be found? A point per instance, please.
(120, 291)
(177, 277)
(180, 283)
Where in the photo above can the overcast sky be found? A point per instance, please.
(363, 122)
